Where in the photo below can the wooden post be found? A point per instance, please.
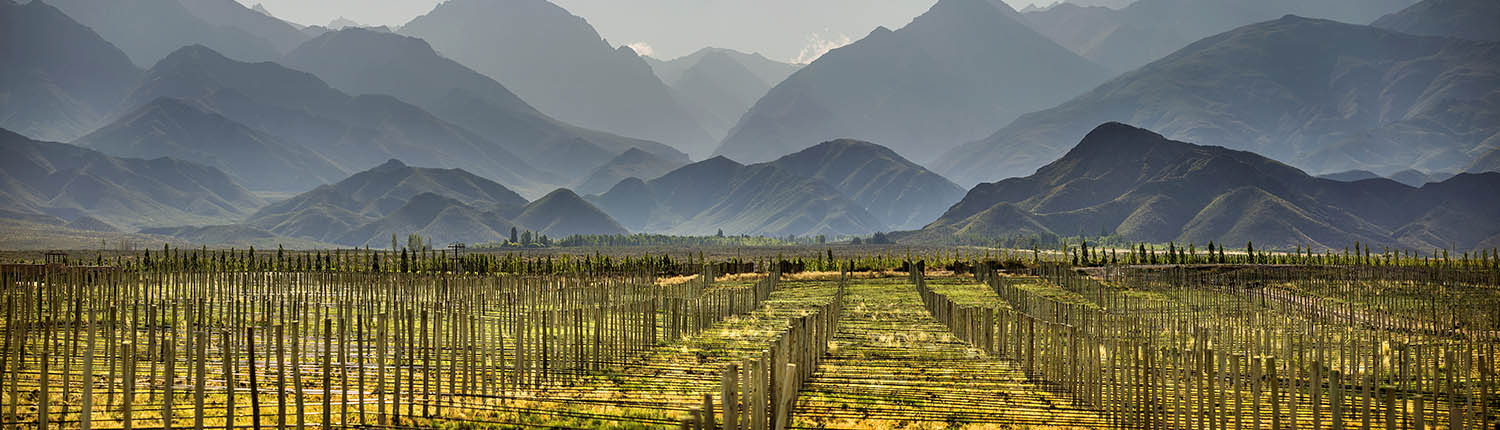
(250, 366)
(7, 345)
(327, 376)
(787, 400)
(1316, 386)
(1336, 400)
(761, 386)
(44, 390)
(298, 394)
(127, 387)
(200, 375)
(1275, 393)
(279, 332)
(1390, 408)
(343, 374)
(86, 416)
(1367, 409)
(1234, 372)
(169, 353)
(360, 364)
(708, 411)
(1417, 414)
(229, 365)
(728, 397)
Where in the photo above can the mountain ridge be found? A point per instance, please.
(717, 194)
(1136, 184)
(353, 131)
(361, 61)
(577, 77)
(71, 182)
(61, 79)
(445, 205)
(1466, 19)
(903, 195)
(947, 77)
(176, 128)
(1361, 98)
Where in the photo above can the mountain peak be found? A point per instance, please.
(720, 161)
(1115, 139)
(391, 164)
(851, 143)
(633, 155)
(194, 52)
(1115, 129)
(561, 193)
(361, 37)
(562, 212)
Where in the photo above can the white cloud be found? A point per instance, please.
(819, 44)
(641, 48)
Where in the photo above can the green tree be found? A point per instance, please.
(513, 237)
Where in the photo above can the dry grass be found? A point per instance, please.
(675, 280)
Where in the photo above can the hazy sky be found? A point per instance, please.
(785, 30)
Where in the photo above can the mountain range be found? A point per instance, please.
(149, 30)
(1321, 95)
(282, 36)
(445, 205)
(1411, 178)
(1140, 186)
(168, 127)
(766, 70)
(60, 79)
(574, 75)
(952, 75)
(362, 61)
(901, 194)
(633, 163)
(65, 185)
(353, 131)
(719, 85)
(719, 194)
(1126, 38)
(837, 188)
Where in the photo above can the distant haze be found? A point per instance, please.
(786, 30)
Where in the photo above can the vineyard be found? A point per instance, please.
(1005, 340)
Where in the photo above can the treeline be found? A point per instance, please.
(1085, 254)
(642, 239)
(423, 260)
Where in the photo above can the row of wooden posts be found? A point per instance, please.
(761, 392)
(1154, 368)
(261, 349)
(1429, 300)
